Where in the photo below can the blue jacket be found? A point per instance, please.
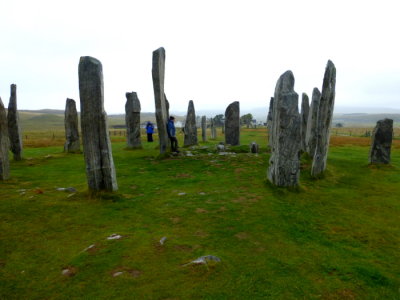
(149, 128)
(171, 128)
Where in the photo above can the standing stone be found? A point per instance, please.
(213, 129)
(312, 123)
(166, 106)
(190, 126)
(284, 164)
(381, 142)
(232, 124)
(305, 107)
(14, 130)
(97, 151)
(4, 144)
(325, 114)
(204, 128)
(132, 120)
(269, 120)
(158, 73)
(254, 147)
(72, 143)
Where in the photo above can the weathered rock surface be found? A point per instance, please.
(269, 120)
(100, 170)
(190, 126)
(232, 124)
(72, 143)
(325, 114)
(132, 120)
(312, 123)
(284, 164)
(254, 147)
(381, 142)
(204, 128)
(305, 107)
(213, 129)
(4, 144)
(14, 131)
(167, 106)
(158, 73)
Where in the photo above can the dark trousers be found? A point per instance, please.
(149, 137)
(174, 144)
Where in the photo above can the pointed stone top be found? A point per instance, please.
(70, 100)
(1, 104)
(329, 76)
(131, 94)
(132, 102)
(316, 91)
(285, 83)
(386, 121)
(13, 88)
(330, 64)
(161, 49)
(304, 96)
(89, 59)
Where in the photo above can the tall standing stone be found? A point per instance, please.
(158, 73)
(232, 124)
(100, 170)
(204, 128)
(284, 164)
(381, 142)
(4, 144)
(325, 115)
(132, 120)
(190, 126)
(213, 129)
(305, 107)
(269, 120)
(312, 123)
(14, 130)
(72, 143)
(166, 106)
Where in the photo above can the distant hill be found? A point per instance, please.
(53, 119)
(364, 120)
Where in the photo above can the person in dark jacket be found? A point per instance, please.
(172, 134)
(149, 131)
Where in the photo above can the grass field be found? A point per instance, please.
(333, 238)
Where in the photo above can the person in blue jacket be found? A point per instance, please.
(172, 134)
(149, 131)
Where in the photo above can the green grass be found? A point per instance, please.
(333, 238)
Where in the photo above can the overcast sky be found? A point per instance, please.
(216, 51)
